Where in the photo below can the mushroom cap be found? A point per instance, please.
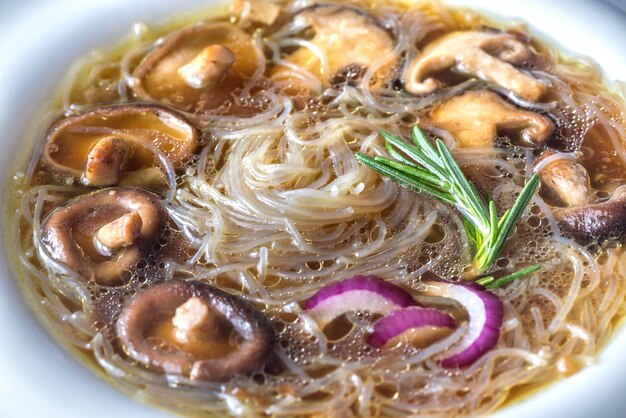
(69, 141)
(602, 220)
(160, 301)
(348, 36)
(68, 232)
(157, 77)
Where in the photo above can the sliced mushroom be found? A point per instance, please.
(585, 217)
(103, 145)
(487, 55)
(347, 36)
(476, 117)
(102, 235)
(193, 329)
(198, 68)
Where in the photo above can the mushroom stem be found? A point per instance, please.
(120, 233)
(189, 317)
(105, 161)
(208, 68)
(568, 180)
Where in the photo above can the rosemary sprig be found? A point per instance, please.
(432, 169)
(492, 283)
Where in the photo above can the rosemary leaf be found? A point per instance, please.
(414, 153)
(476, 203)
(493, 221)
(494, 284)
(484, 281)
(415, 172)
(508, 225)
(422, 142)
(398, 155)
(404, 178)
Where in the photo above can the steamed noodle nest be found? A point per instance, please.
(276, 206)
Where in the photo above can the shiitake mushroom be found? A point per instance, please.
(106, 145)
(102, 235)
(193, 329)
(583, 215)
(350, 38)
(198, 68)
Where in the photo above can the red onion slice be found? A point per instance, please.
(485, 314)
(422, 325)
(359, 293)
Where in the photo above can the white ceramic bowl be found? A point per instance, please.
(39, 39)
